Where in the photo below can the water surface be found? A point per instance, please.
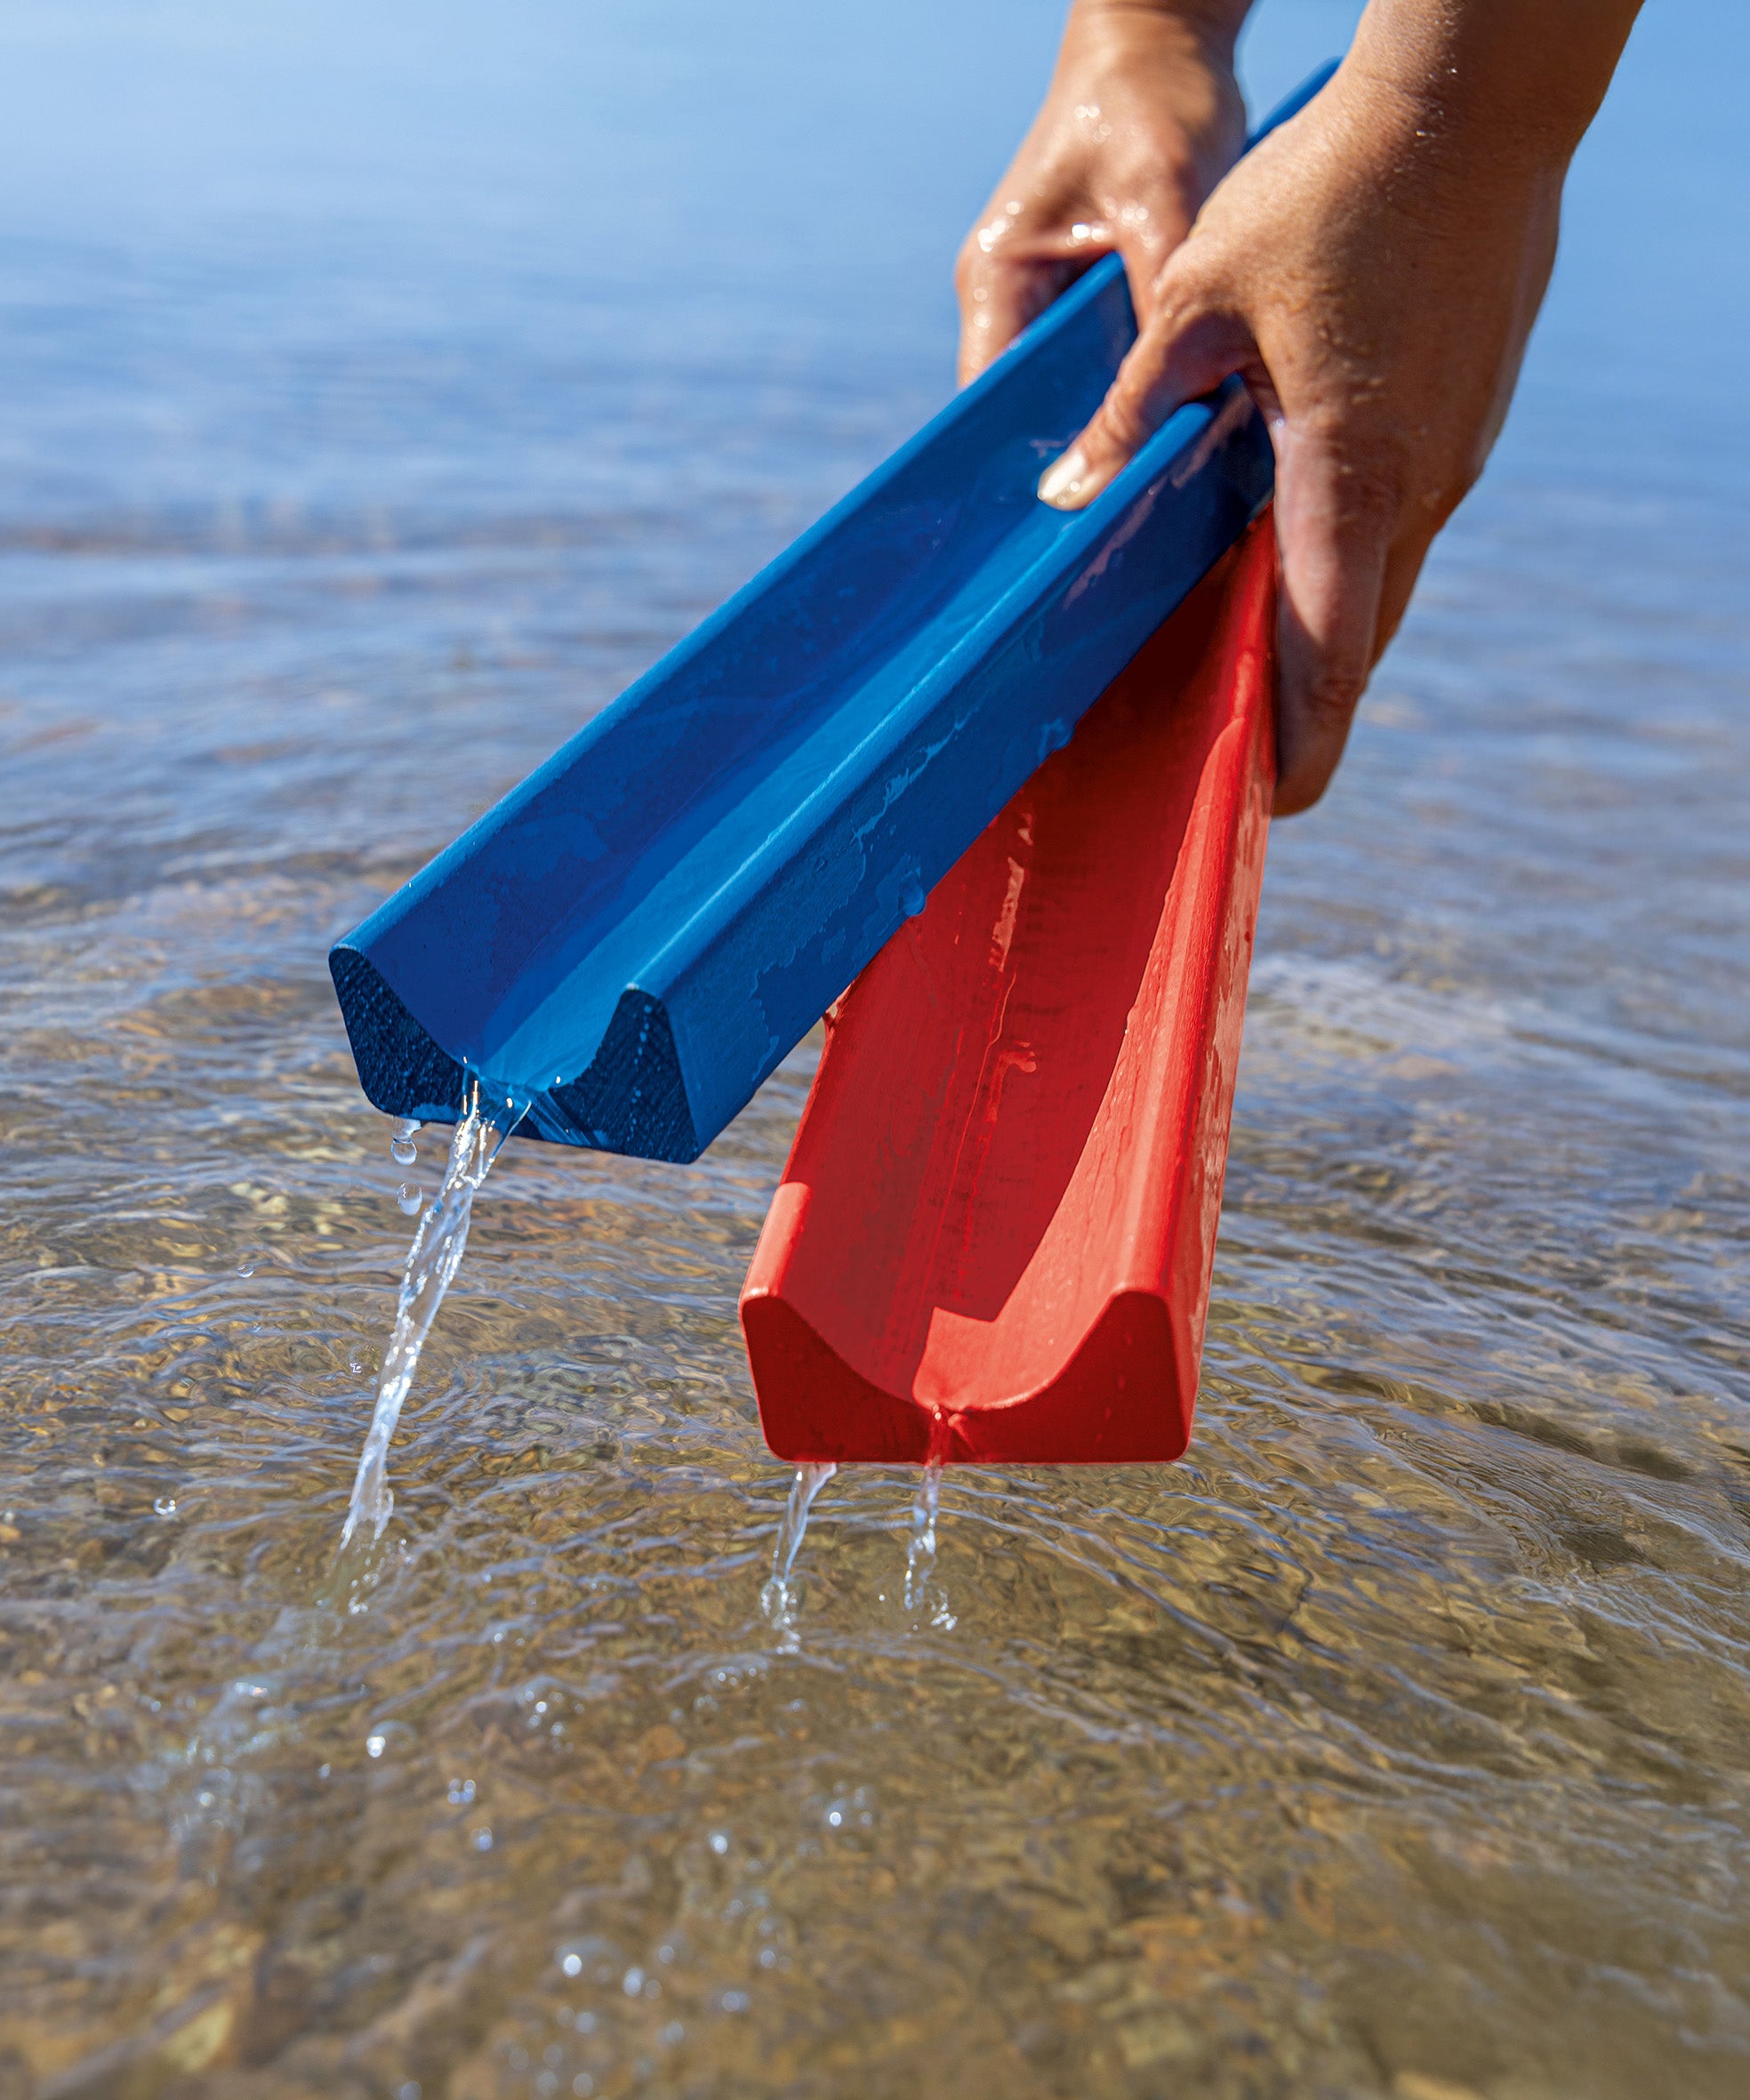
(384, 389)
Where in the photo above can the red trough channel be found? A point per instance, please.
(994, 1235)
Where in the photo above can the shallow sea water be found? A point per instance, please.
(381, 395)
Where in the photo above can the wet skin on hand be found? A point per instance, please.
(1373, 271)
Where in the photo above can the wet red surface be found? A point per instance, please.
(994, 1235)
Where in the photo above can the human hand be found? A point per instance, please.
(1373, 271)
(1142, 120)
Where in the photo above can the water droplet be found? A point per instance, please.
(720, 1843)
(402, 1149)
(373, 1746)
(246, 1263)
(483, 1840)
(573, 1965)
(634, 1981)
(165, 1505)
(408, 1197)
(734, 2001)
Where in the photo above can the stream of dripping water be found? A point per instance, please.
(921, 1549)
(778, 1599)
(921, 1589)
(432, 1262)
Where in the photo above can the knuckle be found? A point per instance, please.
(1175, 309)
(1332, 693)
(1181, 291)
(1122, 422)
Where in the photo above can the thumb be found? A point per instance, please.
(1187, 349)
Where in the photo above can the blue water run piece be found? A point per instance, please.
(633, 937)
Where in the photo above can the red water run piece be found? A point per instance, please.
(994, 1236)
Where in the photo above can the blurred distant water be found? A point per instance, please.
(381, 390)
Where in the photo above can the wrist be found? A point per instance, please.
(1512, 85)
(1207, 31)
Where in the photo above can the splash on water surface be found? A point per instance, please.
(432, 1262)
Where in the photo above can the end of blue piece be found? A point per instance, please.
(630, 1098)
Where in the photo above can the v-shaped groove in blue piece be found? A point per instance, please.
(627, 944)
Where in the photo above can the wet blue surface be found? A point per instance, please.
(667, 906)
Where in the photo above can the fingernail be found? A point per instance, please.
(1060, 484)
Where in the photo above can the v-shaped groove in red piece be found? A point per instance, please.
(994, 1236)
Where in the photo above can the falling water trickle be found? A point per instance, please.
(778, 1599)
(923, 1592)
(432, 1262)
(921, 1549)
